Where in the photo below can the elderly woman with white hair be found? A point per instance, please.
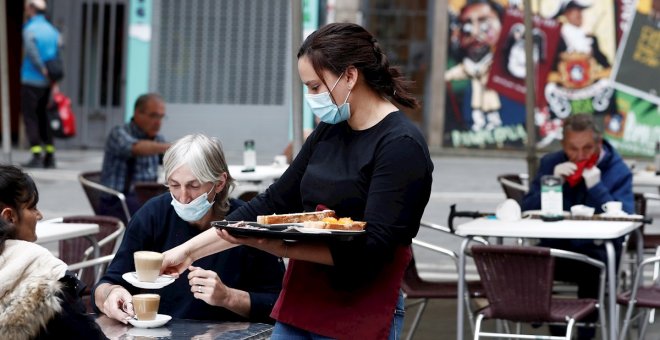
(241, 283)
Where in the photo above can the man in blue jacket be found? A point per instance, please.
(41, 44)
(608, 180)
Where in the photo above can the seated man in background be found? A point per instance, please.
(133, 150)
(593, 174)
(238, 284)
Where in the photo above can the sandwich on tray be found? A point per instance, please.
(324, 219)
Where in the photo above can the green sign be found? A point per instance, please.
(635, 128)
(139, 45)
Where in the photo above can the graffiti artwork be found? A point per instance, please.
(574, 44)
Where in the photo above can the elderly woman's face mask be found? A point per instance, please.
(195, 209)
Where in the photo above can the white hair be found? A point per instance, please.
(205, 158)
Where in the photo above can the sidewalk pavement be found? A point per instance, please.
(468, 182)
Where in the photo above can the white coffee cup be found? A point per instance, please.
(145, 306)
(612, 207)
(508, 210)
(582, 210)
(147, 265)
(280, 160)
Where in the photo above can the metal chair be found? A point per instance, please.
(78, 252)
(642, 296)
(519, 283)
(146, 190)
(514, 186)
(649, 241)
(104, 200)
(420, 290)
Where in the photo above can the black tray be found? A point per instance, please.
(282, 231)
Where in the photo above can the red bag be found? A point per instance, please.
(60, 116)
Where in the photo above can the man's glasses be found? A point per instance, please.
(155, 116)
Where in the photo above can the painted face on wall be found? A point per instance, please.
(480, 29)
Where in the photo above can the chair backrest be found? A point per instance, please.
(104, 200)
(640, 204)
(411, 280)
(79, 249)
(517, 280)
(415, 286)
(146, 190)
(513, 186)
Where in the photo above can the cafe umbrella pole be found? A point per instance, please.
(296, 86)
(4, 83)
(532, 164)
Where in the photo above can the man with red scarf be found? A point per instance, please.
(594, 173)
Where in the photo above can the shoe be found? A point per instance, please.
(36, 162)
(49, 161)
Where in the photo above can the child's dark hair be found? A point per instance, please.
(17, 189)
(7, 232)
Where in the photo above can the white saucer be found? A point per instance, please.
(161, 332)
(615, 214)
(160, 320)
(161, 281)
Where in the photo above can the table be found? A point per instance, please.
(646, 178)
(49, 231)
(56, 231)
(255, 181)
(187, 329)
(536, 228)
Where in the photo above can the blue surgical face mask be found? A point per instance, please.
(324, 108)
(196, 209)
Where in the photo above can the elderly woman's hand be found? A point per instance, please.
(118, 304)
(207, 286)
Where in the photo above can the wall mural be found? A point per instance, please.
(634, 128)
(574, 52)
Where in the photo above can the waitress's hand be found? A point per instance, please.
(175, 261)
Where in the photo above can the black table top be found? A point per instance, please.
(187, 329)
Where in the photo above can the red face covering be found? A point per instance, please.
(576, 177)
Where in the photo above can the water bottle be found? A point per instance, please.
(657, 158)
(249, 156)
(552, 204)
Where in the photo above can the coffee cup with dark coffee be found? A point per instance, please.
(145, 306)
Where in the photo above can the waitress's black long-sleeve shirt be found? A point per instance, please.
(381, 175)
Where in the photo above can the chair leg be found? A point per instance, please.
(644, 327)
(477, 326)
(652, 316)
(418, 316)
(470, 314)
(569, 328)
(505, 326)
(603, 321)
(627, 320)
